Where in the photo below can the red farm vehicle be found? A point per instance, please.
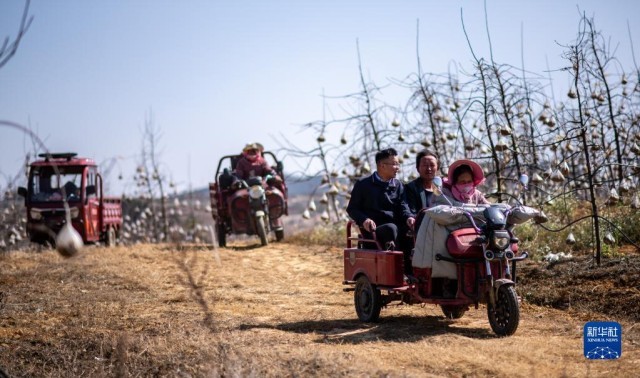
(60, 176)
(251, 207)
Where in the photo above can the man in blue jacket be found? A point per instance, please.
(378, 202)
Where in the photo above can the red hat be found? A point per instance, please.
(476, 171)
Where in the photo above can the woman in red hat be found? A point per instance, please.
(462, 181)
(253, 164)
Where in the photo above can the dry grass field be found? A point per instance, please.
(275, 311)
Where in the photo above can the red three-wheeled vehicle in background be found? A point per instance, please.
(253, 206)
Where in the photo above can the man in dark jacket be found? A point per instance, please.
(378, 201)
(418, 196)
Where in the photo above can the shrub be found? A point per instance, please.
(563, 211)
(332, 234)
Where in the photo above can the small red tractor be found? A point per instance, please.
(60, 177)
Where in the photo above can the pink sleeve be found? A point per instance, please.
(479, 198)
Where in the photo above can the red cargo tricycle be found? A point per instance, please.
(252, 207)
(484, 257)
(60, 177)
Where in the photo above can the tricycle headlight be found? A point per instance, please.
(501, 240)
(256, 191)
(36, 214)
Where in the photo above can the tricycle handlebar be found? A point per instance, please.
(358, 238)
(457, 261)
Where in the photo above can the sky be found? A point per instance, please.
(215, 75)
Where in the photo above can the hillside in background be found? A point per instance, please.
(300, 191)
(191, 210)
(297, 187)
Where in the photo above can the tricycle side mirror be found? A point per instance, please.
(91, 189)
(22, 191)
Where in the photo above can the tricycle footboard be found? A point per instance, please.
(381, 267)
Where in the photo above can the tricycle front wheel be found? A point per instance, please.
(504, 317)
(262, 230)
(367, 299)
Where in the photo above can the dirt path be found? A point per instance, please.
(273, 311)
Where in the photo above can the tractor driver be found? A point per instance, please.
(71, 190)
(252, 164)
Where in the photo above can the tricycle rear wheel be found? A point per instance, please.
(111, 237)
(505, 315)
(279, 235)
(222, 235)
(367, 299)
(454, 312)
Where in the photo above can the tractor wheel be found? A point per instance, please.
(222, 235)
(505, 315)
(279, 235)
(262, 230)
(454, 312)
(367, 299)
